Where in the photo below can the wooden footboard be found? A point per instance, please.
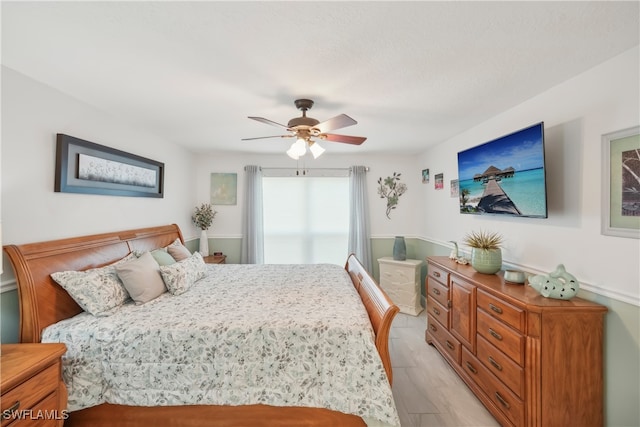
(380, 308)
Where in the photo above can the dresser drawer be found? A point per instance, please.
(445, 341)
(507, 313)
(505, 339)
(503, 398)
(32, 391)
(438, 291)
(438, 274)
(474, 369)
(44, 414)
(505, 369)
(438, 312)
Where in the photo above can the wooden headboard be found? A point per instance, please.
(42, 301)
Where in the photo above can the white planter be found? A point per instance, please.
(204, 243)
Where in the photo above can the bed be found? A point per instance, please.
(46, 309)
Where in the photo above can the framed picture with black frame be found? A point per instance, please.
(90, 168)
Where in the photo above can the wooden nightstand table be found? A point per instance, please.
(215, 259)
(401, 281)
(32, 388)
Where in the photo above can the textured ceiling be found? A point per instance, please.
(411, 73)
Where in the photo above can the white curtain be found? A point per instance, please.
(252, 222)
(359, 239)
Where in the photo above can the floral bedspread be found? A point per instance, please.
(282, 335)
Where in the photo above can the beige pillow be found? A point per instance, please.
(141, 277)
(178, 251)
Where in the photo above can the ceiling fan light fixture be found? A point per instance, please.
(304, 128)
(299, 147)
(291, 152)
(316, 149)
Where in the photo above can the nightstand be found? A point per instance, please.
(401, 281)
(32, 387)
(215, 259)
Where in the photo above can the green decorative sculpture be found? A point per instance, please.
(558, 284)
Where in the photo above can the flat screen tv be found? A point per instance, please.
(505, 176)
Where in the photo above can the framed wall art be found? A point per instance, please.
(621, 183)
(454, 186)
(438, 181)
(90, 168)
(425, 176)
(224, 188)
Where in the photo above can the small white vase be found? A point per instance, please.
(204, 243)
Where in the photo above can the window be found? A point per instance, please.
(306, 219)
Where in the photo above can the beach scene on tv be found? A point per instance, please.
(505, 176)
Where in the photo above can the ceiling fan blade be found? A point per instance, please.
(347, 139)
(267, 121)
(265, 137)
(337, 122)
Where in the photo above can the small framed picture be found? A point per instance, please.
(425, 176)
(224, 188)
(439, 181)
(454, 188)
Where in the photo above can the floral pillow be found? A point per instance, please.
(98, 291)
(179, 277)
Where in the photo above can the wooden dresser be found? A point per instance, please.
(531, 360)
(32, 389)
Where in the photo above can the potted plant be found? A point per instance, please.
(202, 217)
(486, 252)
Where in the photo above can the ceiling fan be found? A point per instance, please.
(305, 128)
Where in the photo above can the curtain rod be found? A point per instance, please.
(334, 169)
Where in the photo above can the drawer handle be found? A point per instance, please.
(495, 364)
(433, 327)
(13, 408)
(436, 291)
(495, 334)
(471, 368)
(436, 274)
(436, 311)
(502, 401)
(451, 347)
(495, 308)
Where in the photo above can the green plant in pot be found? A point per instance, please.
(486, 252)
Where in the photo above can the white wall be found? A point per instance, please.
(32, 115)
(576, 114)
(404, 218)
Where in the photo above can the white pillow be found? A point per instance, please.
(141, 277)
(98, 291)
(179, 277)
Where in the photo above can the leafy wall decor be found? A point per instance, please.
(391, 189)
